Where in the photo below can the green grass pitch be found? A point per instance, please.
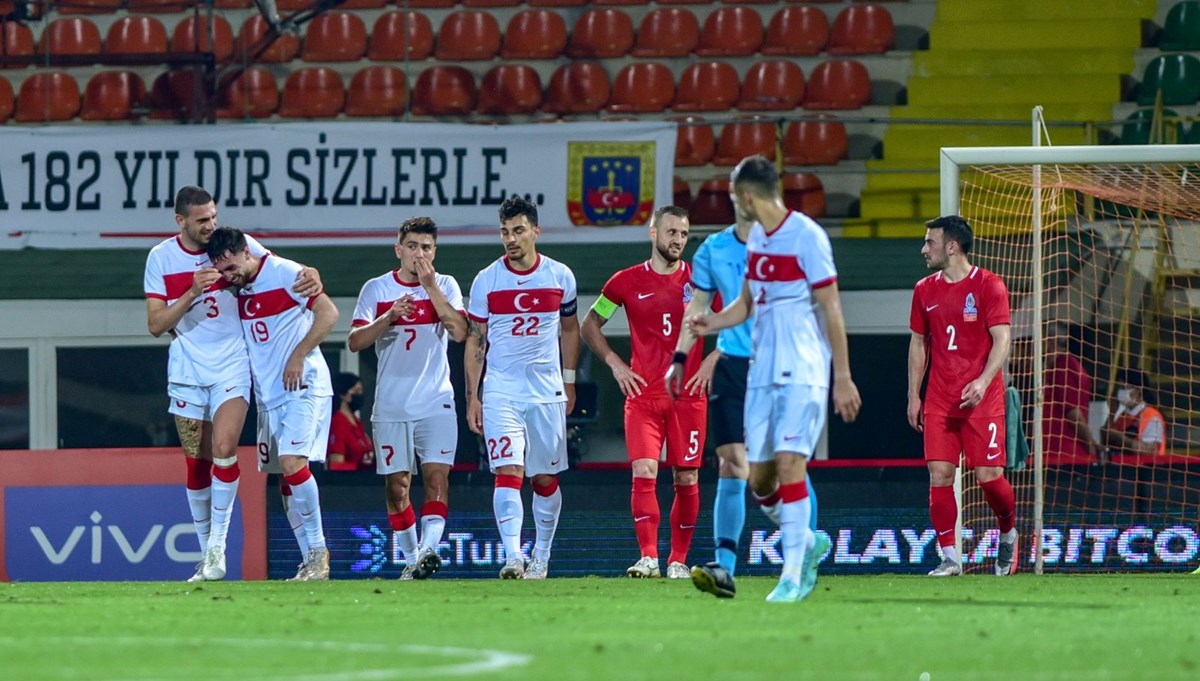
(1087, 627)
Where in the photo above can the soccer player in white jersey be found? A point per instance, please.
(410, 314)
(521, 317)
(208, 371)
(291, 380)
(791, 283)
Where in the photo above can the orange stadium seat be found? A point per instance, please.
(17, 41)
(283, 49)
(707, 86)
(89, 6)
(510, 89)
(468, 35)
(113, 96)
(805, 193)
(667, 32)
(772, 85)
(681, 193)
(838, 84)
(136, 35)
(694, 141)
(601, 34)
(814, 141)
(379, 90)
(313, 92)
(577, 87)
(534, 34)
(730, 32)
(444, 91)
(395, 32)
(642, 87)
(252, 94)
(158, 5)
(70, 35)
(557, 3)
(7, 101)
(796, 31)
(712, 205)
(47, 96)
(335, 36)
(185, 39)
(862, 29)
(743, 138)
(173, 95)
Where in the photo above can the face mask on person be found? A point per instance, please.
(1125, 397)
(356, 402)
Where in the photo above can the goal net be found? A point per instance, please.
(1100, 249)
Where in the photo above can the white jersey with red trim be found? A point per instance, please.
(783, 268)
(274, 320)
(207, 348)
(414, 374)
(523, 311)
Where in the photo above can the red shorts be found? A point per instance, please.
(680, 423)
(980, 438)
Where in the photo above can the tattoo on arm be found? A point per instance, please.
(475, 330)
(600, 321)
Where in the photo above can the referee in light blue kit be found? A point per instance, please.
(719, 266)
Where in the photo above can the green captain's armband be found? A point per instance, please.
(604, 307)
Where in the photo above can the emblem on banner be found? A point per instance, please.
(610, 183)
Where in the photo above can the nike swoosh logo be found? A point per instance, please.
(521, 282)
(231, 389)
(555, 462)
(944, 532)
(640, 518)
(691, 457)
(993, 456)
(643, 296)
(931, 308)
(789, 438)
(199, 263)
(447, 451)
(504, 520)
(686, 527)
(298, 443)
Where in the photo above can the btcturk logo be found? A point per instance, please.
(374, 546)
(610, 183)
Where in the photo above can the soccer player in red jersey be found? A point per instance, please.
(961, 327)
(655, 294)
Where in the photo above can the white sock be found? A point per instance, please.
(950, 553)
(297, 524)
(432, 527)
(307, 501)
(797, 537)
(510, 514)
(546, 510)
(406, 539)
(224, 494)
(200, 501)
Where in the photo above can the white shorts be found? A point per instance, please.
(299, 427)
(399, 443)
(200, 403)
(785, 417)
(529, 434)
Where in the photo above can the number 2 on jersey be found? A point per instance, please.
(525, 326)
(505, 452)
(950, 345)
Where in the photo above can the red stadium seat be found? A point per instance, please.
(47, 96)
(838, 84)
(184, 39)
(557, 3)
(684, 2)
(642, 87)
(712, 205)
(740, 139)
(335, 36)
(253, 94)
(774, 85)
(286, 7)
(490, 3)
(862, 29)
(510, 89)
(113, 96)
(7, 101)
(815, 142)
(534, 34)
(468, 35)
(17, 41)
(313, 92)
(404, 4)
(730, 32)
(444, 91)
(620, 2)
(796, 31)
(283, 49)
(694, 141)
(70, 35)
(136, 35)
(707, 86)
(173, 95)
(601, 34)
(667, 32)
(87, 7)
(805, 193)
(158, 6)
(577, 87)
(681, 193)
(362, 4)
(397, 32)
(379, 90)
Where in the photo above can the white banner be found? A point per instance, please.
(325, 183)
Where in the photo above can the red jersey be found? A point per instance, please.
(654, 305)
(956, 320)
(350, 440)
(1067, 386)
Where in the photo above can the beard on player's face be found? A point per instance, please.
(667, 252)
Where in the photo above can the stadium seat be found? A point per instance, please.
(557, 3)
(1177, 75)
(173, 95)
(510, 89)
(577, 87)
(136, 35)
(862, 29)
(490, 3)
(395, 32)
(712, 205)
(743, 138)
(667, 32)
(17, 41)
(113, 96)
(642, 87)
(444, 91)
(47, 96)
(233, 4)
(707, 86)
(796, 31)
(87, 7)
(805, 193)
(425, 3)
(601, 34)
(283, 49)
(252, 94)
(335, 36)
(1138, 128)
(730, 32)
(184, 39)
(379, 90)
(468, 35)
(681, 193)
(286, 7)
(7, 101)
(749, 2)
(684, 2)
(815, 142)
(620, 2)
(362, 4)
(70, 35)
(312, 92)
(838, 84)
(773, 85)
(694, 141)
(534, 34)
(172, 6)
(1181, 29)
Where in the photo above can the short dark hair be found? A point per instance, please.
(954, 228)
(659, 212)
(417, 225)
(757, 174)
(515, 206)
(189, 196)
(225, 239)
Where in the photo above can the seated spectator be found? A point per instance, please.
(1068, 389)
(349, 447)
(1136, 428)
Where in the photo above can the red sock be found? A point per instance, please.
(644, 503)
(999, 495)
(199, 473)
(226, 474)
(943, 512)
(684, 512)
(404, 519)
